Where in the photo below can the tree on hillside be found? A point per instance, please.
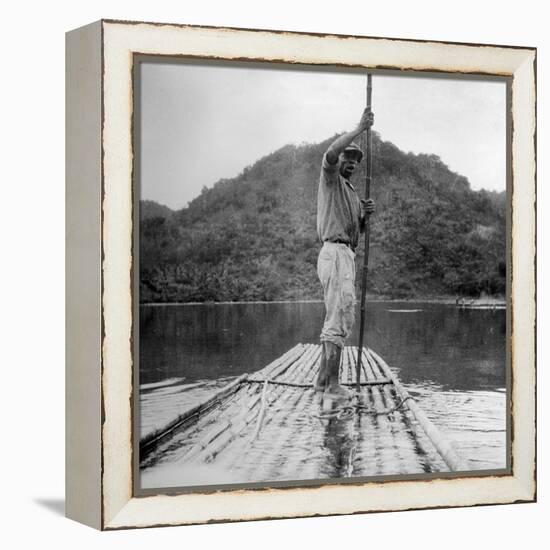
(253, 237)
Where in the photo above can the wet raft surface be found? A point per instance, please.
(257, 431)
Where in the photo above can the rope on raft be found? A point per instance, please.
(347, 411)
(379, 382)
(341, 413)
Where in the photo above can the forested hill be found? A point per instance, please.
(253, 237)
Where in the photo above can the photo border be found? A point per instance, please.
(138, 60)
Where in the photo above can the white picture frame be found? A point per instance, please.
(100, 296)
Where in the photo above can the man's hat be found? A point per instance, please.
(354, 150)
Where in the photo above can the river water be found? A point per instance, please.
(452, 361)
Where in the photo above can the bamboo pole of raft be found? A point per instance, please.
(345, 372)
(408, 436)
(365, 459)
(262, 412)
(403, 439)
(453, 461)
(349, 373)
(413, 437)
(149, 442)
(416, 438)
(380, 422)
(257, 457)
(200, 409)
(269, 369)
(351, 364)
(419, 438)
(355, 434)
(290, 374)
(378, 373)
(365, 270)
(346, 376)
(277, 368)
(209, 446)
(303, 369)
(230, 429)
(274, 370)
(287, 406)
(370, 377)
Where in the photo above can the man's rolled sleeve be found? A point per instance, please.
(330, 170)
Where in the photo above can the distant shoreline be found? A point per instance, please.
(429, 300)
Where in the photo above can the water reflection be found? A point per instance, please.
(338, 444)
(455, 349)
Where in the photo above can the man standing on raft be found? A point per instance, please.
(341, 218)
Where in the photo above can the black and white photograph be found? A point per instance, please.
(321, 280)
(211, 208)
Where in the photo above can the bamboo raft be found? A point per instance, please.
(270, 425)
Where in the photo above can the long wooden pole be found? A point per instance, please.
(365, 269)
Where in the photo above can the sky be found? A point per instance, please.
(201, 123)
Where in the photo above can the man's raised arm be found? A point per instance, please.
(339, 144)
